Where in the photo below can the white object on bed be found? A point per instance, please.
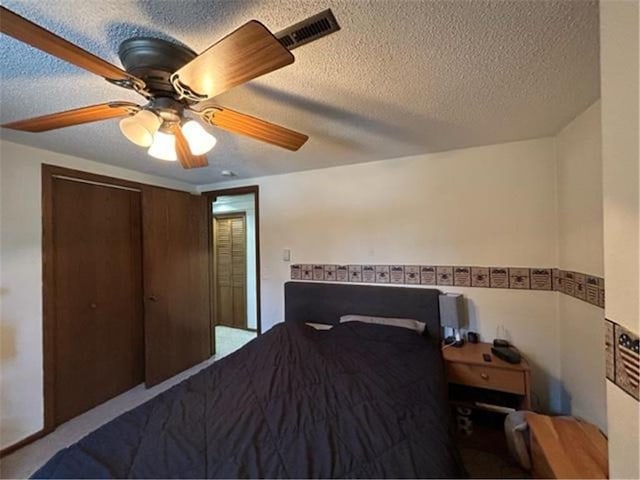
(394, 322)
(319, 326)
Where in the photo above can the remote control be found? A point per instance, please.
(508, 354)
(486, 357)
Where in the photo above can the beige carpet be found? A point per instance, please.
(231, 339)
(27, 460)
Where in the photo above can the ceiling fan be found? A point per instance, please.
(175, 80)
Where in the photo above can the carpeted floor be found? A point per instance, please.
(231, 339)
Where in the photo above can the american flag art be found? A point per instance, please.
(630, 354)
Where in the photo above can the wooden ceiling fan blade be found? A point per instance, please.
(253, 127)
(28, 32)
(77, 116)
(185, 157)
(247, 53)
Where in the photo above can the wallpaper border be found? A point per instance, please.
(622, 358)
(585, 287)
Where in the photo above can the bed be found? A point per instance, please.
(358, 400)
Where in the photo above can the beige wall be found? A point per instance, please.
(579, 186)
(579, 157)
(488, 206)
(21, 404)
(619, 37)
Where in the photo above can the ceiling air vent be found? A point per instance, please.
(313, 28)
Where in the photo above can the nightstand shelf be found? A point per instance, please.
(474, 397)
(473, 381)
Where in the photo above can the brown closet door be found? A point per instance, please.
(231, 270)
(176, 282)
(98, 339)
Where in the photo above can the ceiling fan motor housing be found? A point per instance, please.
(153, 60)
(169, 110)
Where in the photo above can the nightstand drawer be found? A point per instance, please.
(511, 381)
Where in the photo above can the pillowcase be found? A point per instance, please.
(394, 322)
(319, 326)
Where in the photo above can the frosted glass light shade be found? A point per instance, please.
(163, 147)
(199, 140)
(141, 127)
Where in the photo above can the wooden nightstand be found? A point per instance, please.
(465, 366)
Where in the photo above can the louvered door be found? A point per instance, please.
(231, 270)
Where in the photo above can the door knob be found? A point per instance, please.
(153, 298)
(93, 306)
(484, 376)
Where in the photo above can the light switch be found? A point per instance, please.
(286, 255)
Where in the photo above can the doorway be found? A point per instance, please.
(235, 258)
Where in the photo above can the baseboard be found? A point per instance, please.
(25, 441)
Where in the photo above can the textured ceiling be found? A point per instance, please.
(400, 78)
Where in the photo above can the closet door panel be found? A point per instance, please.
(99, 350)
(176, 282)
(119, 296)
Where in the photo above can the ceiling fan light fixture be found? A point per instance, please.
(163, 147)
(200, 141)
(174, 79)
(141, 127)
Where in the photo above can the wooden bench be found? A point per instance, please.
(564, 447)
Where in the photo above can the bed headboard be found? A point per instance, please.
(327, 302)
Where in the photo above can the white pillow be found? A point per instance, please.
(394, 322)
(319, 326)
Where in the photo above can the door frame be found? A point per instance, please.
(212, 195)
(214, 296)
(49, 173)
